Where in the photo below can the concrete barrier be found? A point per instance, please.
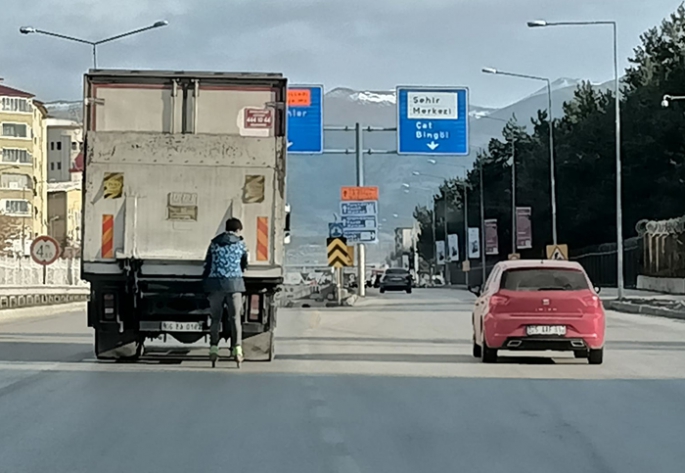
(16, 297)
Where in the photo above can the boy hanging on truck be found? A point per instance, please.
(223, 280)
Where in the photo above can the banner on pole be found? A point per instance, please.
(474, 243)
(524, 230)
(491, 239)
(440, 251)
(453, 248)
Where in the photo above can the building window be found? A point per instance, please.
(19, 156)
(15, 181)
(59, 166)
(17, 207)
(15, 130)
(52, 166)
(16, 104)
(59, 146)
(52, 146)
(74, 146)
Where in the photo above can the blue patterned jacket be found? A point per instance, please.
(224, 264)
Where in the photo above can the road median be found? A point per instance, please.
(19, 297)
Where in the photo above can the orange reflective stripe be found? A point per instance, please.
(108, 236)
(262, 238)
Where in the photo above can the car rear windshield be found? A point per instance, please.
(543, 279)
(400, 272)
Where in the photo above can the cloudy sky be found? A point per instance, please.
(363, 44)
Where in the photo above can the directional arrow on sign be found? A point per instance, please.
(290, 143)
(433, 145)
(338, 256)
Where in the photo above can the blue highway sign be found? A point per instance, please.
(358, 208)
(361, 236)
(335, 229)
(305, 119)
(433, 121)
(359, 223)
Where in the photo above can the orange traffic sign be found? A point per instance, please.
(359, 193)
(299, 97)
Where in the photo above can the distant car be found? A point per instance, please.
(396, 279)
(538, 305)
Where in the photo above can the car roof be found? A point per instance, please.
(397, 269)
(540, 263)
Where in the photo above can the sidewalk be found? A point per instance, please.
(635, 302)
(645, 302)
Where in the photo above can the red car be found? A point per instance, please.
(538, 305)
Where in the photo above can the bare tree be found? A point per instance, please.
(10, 232)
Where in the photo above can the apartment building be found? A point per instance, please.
(64, 215)
(65, 148)
(23, 170)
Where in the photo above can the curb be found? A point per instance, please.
(27, 313)
(643, 309)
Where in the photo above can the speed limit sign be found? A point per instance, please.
(45, 250)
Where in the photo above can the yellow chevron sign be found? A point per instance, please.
(338, 256)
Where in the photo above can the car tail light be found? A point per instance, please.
(497, 301)
(592, 304)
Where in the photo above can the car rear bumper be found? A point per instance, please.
(542, 344)
(396, 286)
(499, 331)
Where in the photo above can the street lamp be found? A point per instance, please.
(666, 101)
(619, 203)
(93, 44)
(552, 179)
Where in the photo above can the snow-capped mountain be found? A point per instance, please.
(314, 181)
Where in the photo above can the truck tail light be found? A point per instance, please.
(109, 306)
(254, 314)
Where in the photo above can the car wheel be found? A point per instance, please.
(476, 350)
(596, 356)
(487, 355)
(580, 354)
(382, 290)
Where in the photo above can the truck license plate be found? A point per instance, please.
(546, 330)
(181, 327)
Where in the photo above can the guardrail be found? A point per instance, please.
(15, 297)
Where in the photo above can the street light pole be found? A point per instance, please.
(92, 44)
(482, 225)
(513, 195)
(619, 184)
(552, 178)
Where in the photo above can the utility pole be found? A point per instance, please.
(361, 250)
(466, 230)
(446, 269)
(482, 226)
(513, 195)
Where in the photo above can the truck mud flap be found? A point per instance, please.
(117, 346)
(259, 347)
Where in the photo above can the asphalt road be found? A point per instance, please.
(387, 386)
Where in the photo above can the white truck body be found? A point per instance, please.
(169, 157)
(177, 189)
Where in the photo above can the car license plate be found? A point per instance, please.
(546, 330)
(181, 326)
